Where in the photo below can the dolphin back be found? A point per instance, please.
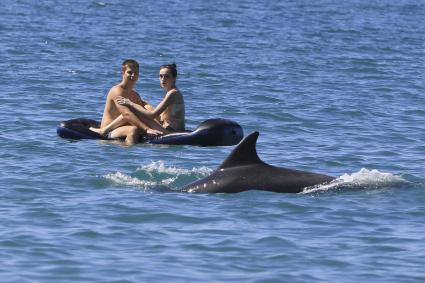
(245, 153)
(243, 170)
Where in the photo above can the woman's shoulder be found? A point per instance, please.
(174, 91)
(175, 95)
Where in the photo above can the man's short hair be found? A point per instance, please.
(130, 63)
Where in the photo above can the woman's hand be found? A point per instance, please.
(123, 101)
(153, 132)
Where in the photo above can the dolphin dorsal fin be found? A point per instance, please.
(244, 153)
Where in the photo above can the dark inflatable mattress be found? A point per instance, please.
(211, 132)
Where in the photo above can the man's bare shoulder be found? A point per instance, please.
(115, 91)
(134, 92)
(134, 96)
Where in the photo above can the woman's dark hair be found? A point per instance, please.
(171, 67)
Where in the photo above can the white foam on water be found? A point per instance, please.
(158, 175)
(123, 179)
(372, 177)
(159, 166)
(365, 178)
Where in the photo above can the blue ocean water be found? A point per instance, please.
(334, 87)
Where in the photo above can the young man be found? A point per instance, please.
(128, 125)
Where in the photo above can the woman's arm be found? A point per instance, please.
(147, 113)
(139, 108)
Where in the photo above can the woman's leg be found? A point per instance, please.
(153, 124)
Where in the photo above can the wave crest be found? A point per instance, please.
(157, 174)
(365, 178)
(156, 167)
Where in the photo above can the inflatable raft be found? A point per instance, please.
(211, 132)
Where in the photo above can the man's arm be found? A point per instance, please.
(127, 114)
(131, 118)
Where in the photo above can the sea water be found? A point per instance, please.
(334, 87)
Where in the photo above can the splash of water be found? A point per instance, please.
(156, 174)
(123, 179)
(159, 166)
(365, 178)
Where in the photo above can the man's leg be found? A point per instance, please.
(130, 133)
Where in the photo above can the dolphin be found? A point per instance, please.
(243, 170)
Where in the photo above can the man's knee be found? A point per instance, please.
(133, 131)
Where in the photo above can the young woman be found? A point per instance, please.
(168, 116)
